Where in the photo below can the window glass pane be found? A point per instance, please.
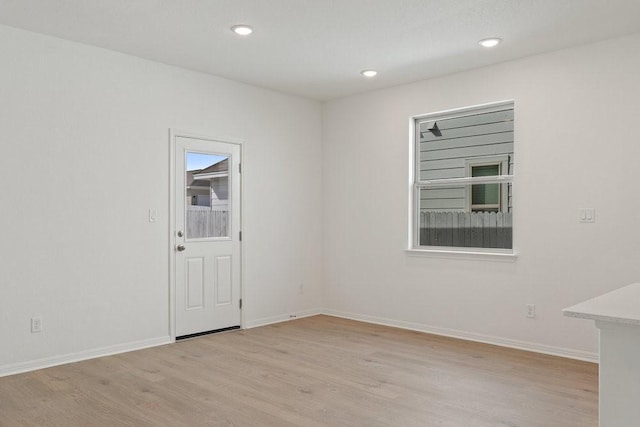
(473, 143)
(445, 221)
(485, 194)
(486, 170)
(207, 191)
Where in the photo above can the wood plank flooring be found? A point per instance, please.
(317, 371)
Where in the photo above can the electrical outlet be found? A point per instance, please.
(587, 214)
(36, 324)
(531, 311)
(301, 288)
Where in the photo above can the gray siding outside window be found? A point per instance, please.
(446, 149)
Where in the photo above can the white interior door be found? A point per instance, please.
(207, 235)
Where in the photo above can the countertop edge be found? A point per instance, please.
(600, 317)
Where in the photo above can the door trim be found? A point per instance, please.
(173, 134)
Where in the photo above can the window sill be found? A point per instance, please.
(506, 256)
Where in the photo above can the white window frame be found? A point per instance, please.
(415, 184)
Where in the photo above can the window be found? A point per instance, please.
(463, 171)
(487, 197)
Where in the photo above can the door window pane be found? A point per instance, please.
(207, 195)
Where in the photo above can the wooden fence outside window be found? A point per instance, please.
(467, 229)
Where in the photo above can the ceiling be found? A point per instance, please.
(317, 48)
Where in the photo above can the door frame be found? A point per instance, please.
(173, 134)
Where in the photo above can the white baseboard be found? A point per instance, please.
(471, 336)
(282, 318)
(47, 362)
(32, 365)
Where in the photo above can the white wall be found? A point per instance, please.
(577, 144)
(85, 154)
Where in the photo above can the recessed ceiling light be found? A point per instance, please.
(490, 42)
(369, 73)
(242, 29)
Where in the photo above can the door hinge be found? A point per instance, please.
(239, 167)
(240, 236)
(240, 303)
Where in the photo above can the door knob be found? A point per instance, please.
(180, 248)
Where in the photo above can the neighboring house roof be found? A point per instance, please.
(195, 182)
(221, 166)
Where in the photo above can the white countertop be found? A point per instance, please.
(619, 306)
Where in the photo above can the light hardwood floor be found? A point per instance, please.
(317, 371)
